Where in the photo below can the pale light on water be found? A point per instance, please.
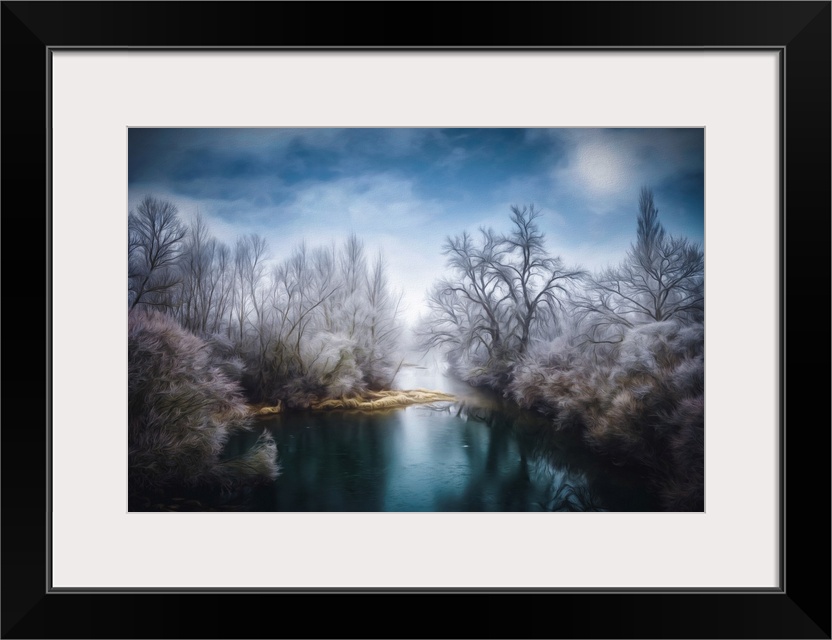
(477, 455)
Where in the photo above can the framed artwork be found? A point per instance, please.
(370, 147)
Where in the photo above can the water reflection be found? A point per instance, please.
(478, 455)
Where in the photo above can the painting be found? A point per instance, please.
(416, 319)
(79, 90)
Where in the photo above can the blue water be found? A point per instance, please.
(478, 454)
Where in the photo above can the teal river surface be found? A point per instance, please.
(479, 454)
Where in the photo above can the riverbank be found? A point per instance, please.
(367, 401)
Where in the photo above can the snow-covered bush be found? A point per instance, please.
(643, 405)
(182, 407)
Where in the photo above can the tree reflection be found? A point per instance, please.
(457, 458)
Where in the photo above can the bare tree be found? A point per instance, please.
(249, 269)
(382, 330)
(667, 273)
(198, 283)
(534, 280)
(222, 285)
(353, 275)
(662, 278)
(154, 241)
(469, 309)
(327, 323)
(323, 321)
(291, 314)
(505, 291)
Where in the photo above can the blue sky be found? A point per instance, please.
(404, 190)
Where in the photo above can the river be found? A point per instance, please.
(479, 454)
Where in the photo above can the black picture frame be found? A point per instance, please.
(800, 31)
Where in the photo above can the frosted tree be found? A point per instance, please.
(535, 281)
(661, 279)
(503, 292)
(155, 237)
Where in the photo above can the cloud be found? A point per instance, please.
(455, 158)
(364, 203)
(387, 214)
(403, 191)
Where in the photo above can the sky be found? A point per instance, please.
(403, 191)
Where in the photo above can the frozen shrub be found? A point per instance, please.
(642, 405)
(223, 355)
(324, 323)
(331, 365)
(182, 408)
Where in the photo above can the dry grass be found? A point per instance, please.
(378, 400)
(266, 410)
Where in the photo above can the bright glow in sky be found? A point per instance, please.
(404, 190)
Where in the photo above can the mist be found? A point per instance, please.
(560, 270)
